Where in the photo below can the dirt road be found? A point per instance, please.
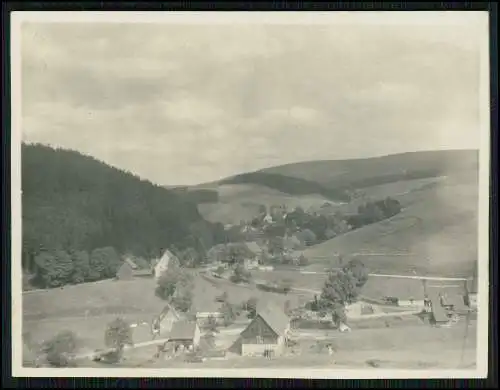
(438, 278)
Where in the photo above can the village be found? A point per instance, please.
(269, 329)
(250, 300)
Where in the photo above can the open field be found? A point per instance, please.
(241, 202)
(86, 309)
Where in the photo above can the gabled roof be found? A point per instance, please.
(446, 290)
(275, 317)
(254, 247)
(130, 262)
(168, 309)
(438, 311)
(167, 257)
(183, 330)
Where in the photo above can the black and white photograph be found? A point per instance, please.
(250, 194)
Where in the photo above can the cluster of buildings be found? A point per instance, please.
(441, 300)
(265, 335)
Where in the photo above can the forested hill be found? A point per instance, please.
(72, 202)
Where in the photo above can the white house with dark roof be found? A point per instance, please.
(266, 334)
(163, 263)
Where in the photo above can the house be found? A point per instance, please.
(266, 334)
(439, 315)
(125, 272)
(396, 291)
(202, 311)
(162, 325)
(452, 296)
(163, 263)
(185, 333)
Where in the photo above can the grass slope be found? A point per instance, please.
(437, 229)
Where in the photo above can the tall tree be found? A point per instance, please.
(340, 289)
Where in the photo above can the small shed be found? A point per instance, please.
(185, 333)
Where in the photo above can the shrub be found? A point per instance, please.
(60, 349)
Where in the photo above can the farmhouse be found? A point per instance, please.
(125, 272)
(266, 334)
(203, 312)
(162, 324)
(397, 291)
(185, 333)
(452, 297)
(163, 263)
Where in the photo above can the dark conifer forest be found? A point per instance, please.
(80, 216)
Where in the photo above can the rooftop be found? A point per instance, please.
(275, 317)
(183, 330)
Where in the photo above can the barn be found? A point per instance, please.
(185, 333)
(266, 334)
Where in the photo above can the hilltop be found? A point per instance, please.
(367, 172)
(341, 183)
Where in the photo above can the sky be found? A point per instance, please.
(182, 104)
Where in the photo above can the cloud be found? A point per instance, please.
(191, 103)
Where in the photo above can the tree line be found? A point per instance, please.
(74, 207)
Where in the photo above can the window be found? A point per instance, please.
(259, 340)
